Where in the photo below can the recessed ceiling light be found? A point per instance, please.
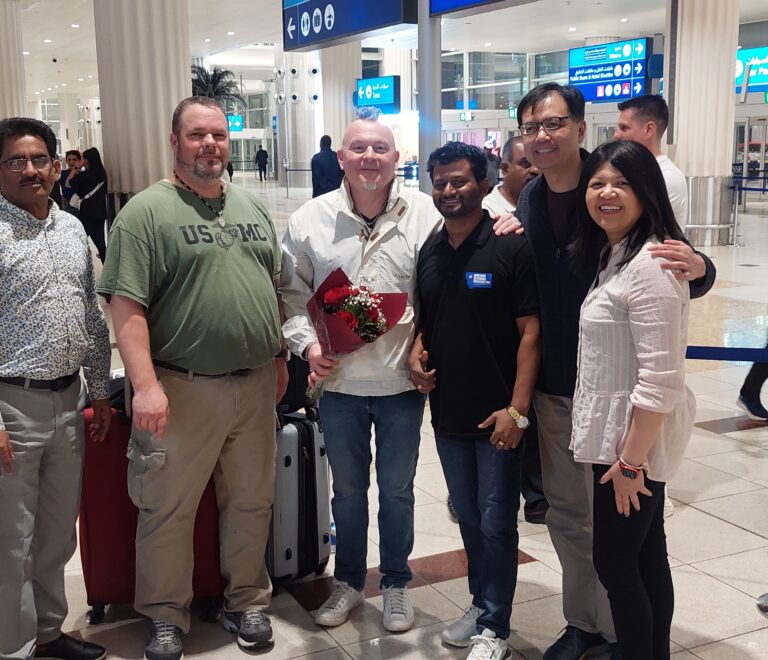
(47, 41)
(453, 50)
(207, 41)
(37, 92)
(571, 29)
(230, 34)
(486, 44)
(90, 76)
(624, 20)
(80, 79)
(50, 89)
(56, 86)
(738, 47)
(75, 25)
(63, 84)
(25, 52)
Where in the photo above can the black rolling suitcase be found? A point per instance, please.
(299, 539)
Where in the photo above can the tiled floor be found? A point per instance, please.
(718, 536)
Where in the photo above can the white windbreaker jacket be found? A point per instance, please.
(326, 234)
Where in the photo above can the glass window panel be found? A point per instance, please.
(452, 70)
(494, 67)
(548, 64)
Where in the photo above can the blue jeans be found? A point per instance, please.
(484, 485)
(347, 422)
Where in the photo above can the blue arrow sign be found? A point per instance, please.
(235, 123)
(610, 72)
(310, 23)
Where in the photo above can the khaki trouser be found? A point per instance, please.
(221, 426)
(568, 486)
(39, 503)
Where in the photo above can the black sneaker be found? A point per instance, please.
(253, 627)
(70, 648)
(165, 643)
(573, 644)
(753, 408)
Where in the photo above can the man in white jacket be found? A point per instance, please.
(373, 229)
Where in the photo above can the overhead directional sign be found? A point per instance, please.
(382, 93)
(235, 123)
(467, 7)
(757, 60)
(308, 24)
(610, 72)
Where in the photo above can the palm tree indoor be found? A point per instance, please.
(218, 83)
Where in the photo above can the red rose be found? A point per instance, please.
(336, 295)
(349, 318)
(372, 313)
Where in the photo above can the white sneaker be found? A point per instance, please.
(669, 507)
(487, 647)
(461, 631)
(340, 603)
(398, 612)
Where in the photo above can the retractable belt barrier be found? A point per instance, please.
(727, 354)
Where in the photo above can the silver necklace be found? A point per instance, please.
(219, 215)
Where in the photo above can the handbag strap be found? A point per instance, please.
(93, 192)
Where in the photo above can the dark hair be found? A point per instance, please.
(643, 174)
(72, 152)
(325, 142)
(649, 107)
(450, 152)
(95, 165)
(192, 100)
(15, 127)
(506, 150)
(573, 98)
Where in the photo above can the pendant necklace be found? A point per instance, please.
(218, 214)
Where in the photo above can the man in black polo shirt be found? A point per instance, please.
(477, 354)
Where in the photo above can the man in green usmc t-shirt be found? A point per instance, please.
(191, 268)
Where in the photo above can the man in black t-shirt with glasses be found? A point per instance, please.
(477, 354)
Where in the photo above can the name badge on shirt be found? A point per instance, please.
(479, 280)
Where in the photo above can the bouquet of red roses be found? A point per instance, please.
(348, 316)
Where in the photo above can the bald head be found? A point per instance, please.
(368, 127)
(368, 156)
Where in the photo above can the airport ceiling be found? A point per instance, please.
(232, 30)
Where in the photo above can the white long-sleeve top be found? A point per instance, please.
(325, 234)
(633, 334)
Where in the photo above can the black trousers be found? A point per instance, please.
(94, 227)
(754, 381)
(262, 172)
(630, 556)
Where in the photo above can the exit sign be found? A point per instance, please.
(766, 96)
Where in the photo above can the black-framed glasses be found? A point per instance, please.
(40, 163)
(550, 125)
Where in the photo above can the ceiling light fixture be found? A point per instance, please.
(571, 29)
(624, 20)
(486, 44)
(90, 76)
(80, 79)
(63, 84)
(230, 34)
(75, 25)
(25, 52)
(47, 41)
(50, 89)
(207, 41)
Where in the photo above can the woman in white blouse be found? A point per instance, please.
(632, 413)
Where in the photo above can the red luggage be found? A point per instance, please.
(108, 528)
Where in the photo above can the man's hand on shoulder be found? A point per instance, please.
(102, 417)
(150, 410)
(680, 258)
(507, 223)
(6, 453)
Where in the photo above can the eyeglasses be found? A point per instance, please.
(19, 164)
(550, 125)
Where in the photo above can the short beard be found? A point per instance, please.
(199, 171)
(370, 186)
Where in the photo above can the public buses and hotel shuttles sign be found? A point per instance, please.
(312, 24)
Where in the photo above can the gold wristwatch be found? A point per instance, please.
(521, 420)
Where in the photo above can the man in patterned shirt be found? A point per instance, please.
(50, 326)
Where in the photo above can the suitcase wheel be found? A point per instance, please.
(321, 568)
(95, 615)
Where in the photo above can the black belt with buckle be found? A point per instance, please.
(189, 372)
(54, 385)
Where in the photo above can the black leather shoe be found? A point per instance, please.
(573, 644)
(536, 516)
(69, 648)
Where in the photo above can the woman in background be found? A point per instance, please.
(91, 187)
(632, 413)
